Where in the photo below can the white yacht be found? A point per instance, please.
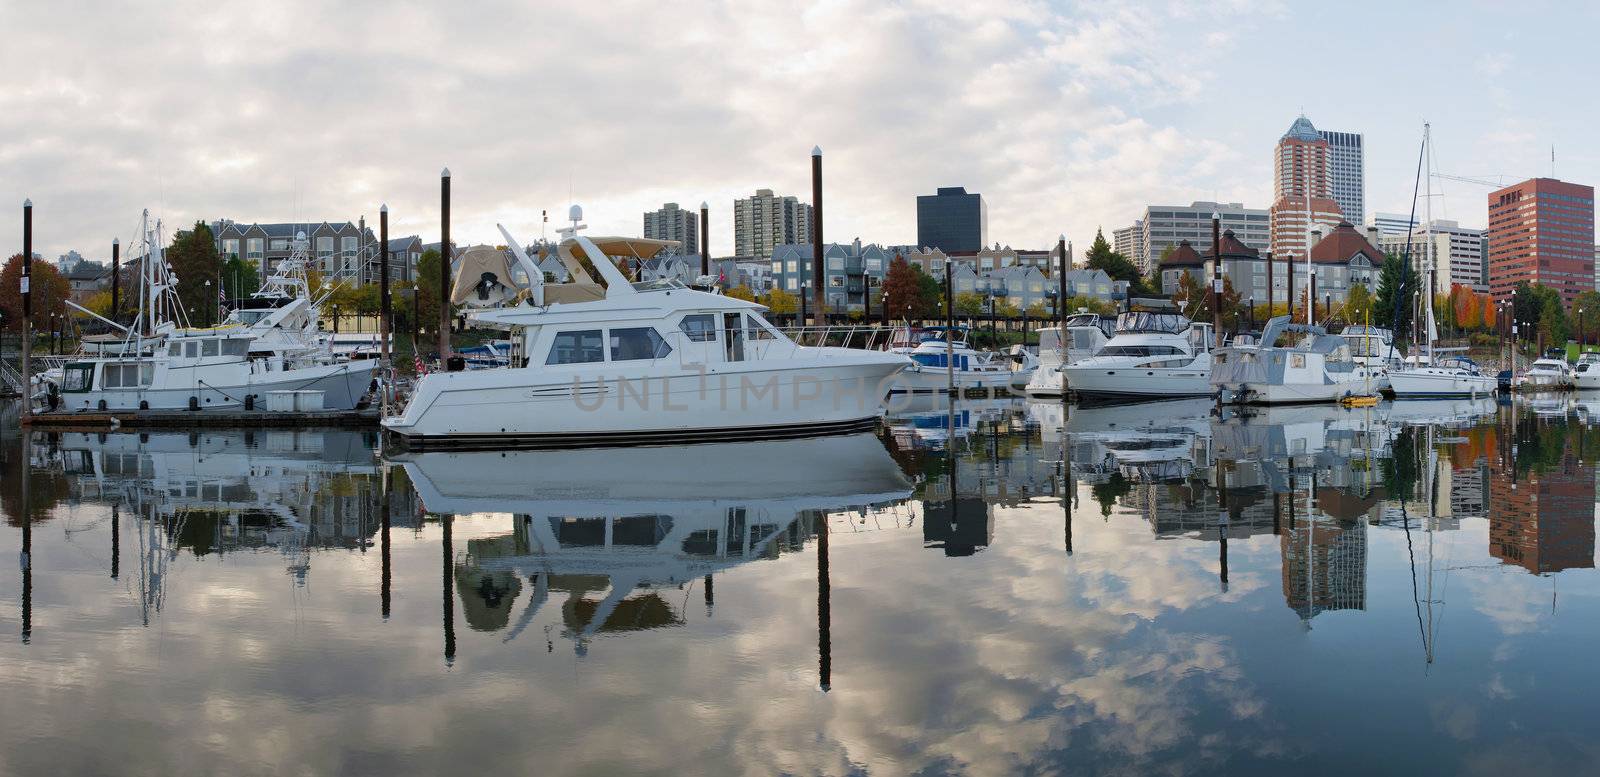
(600, 359)
(1152, 355)
(1586, 374)
(1546, 374)
(1452, 376)
(942, 346)
(160, 363)
(1319, 368)
(1086, 334)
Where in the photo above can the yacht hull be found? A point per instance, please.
(1046, 382)
(1138, 382)
(342, 386)
(1437, 382)
(670, 403)
(1289, 393)
(932, 380)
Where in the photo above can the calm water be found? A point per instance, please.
(1408, 589)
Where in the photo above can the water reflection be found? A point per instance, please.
(995, 587)
(609, 532)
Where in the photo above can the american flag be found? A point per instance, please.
(420, 368)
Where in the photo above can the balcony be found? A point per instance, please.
(852, 265)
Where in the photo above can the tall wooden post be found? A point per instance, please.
(1289, 306)
(1061, 291)
(824, 606)
(385, 324)
(449, 616)
(116, 277)
(950, 332)
(705, 239)
(27, 317)
(1216, 278)
(444, 265)
(820, 291)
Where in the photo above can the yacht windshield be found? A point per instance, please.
(659, 284)
(1140, 350)
(1168, 323)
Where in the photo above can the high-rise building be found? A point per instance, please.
(1458, 253)
(1165, 226)
(1543, 521)
(1542, 231)
(1126, 241)
(766, 220)
(1347, 176)
(1302, 188)
(674, 223)
(952, 220)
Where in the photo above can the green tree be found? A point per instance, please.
(780, 301)
(1191, 297)
(239, 278)
(930, 295)
(194, 259)
(1038, 310)
(1553, 321)
(428, 289)
(1531, 302)
(1392, 308)
(1586, 324)
(970, 303)
(1119, 267)
(1358, 305)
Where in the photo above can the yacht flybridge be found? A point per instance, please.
(601, 360)
(1154, 354)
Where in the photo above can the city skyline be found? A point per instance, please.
(1057, 140)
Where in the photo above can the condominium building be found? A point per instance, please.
(1457, 254)
(1302, 188)
(766, 220)
(1342, 259)
(1542, 231)
(1128, 242)
(1165, 226)
(1392, 223)
(674, 223)
(850, 270)
(952, 220)
(338, 249)
(1347, 176)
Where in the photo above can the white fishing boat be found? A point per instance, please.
(600, 359)
(940, 347)
(1153, 354)
(161, 363)
(1319, 368)
(1586, 373)
(1086, 334)
(1546, 374)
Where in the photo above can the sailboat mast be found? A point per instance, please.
(1427, 234)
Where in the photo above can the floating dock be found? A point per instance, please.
(189, 419)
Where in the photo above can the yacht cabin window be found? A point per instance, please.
(755, 328)
(637, 343)
(583, 346)
(700, 327)
(191, 349)
(235, 346)
(175, 350)
(210, 347)
(131, 375)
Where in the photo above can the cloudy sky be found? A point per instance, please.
(1065, 117)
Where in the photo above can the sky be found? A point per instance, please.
(1066, 117)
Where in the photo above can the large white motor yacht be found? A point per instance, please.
(1152, 355)
(1086, 334)
(600, 359)
(1586, 374)
(1319, 368)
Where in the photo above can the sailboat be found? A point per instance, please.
(1438, 376)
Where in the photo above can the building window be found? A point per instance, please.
(835, 263)
(348, 244)
(793, 283)
(325, 246)
(836, 281)
(253, 248)
(230, 248)
(280, 244)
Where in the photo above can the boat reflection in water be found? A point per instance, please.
(609, 530)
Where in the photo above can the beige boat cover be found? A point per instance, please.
(476, 265)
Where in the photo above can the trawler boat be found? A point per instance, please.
(1086, 334)
(1456, 376)
(1319, 368)
(1546, 374)
(599, 359)
(160, 363)
(1153, 354)
(941, 347)
(1586, 375)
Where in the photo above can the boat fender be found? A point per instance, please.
(194, 403)
(144, 404)
(101, 405)
(249, 401)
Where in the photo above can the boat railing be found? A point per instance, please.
(862, 336)
(10, 379)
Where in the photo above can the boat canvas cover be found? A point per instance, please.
(483, 278)
(1163, 323)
